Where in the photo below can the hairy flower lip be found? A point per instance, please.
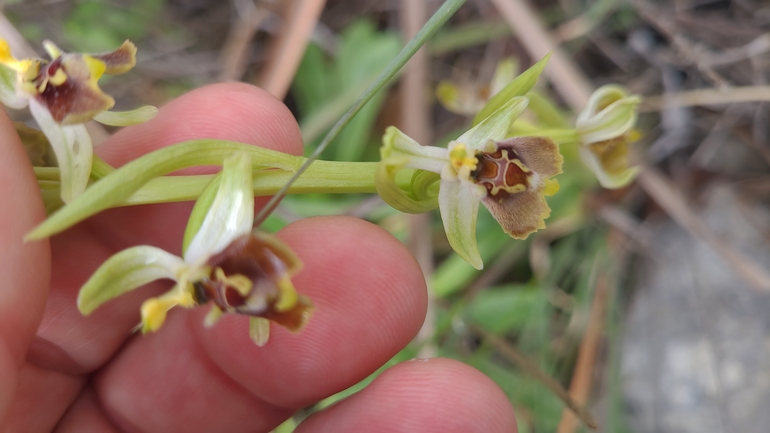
(469, 175)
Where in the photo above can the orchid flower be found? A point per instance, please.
(224, 262)
(510, 176)
(62, 94)
(605, 128)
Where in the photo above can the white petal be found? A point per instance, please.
(604, 95)
(459, 208)
(495, 127)
(231, 214)
(9, 95)
(73, 149)
(125, 271)
(614, 121)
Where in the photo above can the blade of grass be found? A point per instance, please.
(437, 20)
(531, 368)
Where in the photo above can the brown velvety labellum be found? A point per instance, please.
(501, 173)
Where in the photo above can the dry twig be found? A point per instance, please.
(674, 203)
(528, 366)
(582, 377)
(289, 46)
(568, 79)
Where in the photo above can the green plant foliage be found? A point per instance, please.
(323, 87)
(114, 24)
(506, 308)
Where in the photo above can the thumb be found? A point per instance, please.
(25, 266)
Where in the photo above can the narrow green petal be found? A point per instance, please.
(609, 113)
(399, 146)
(231, 214)
(518, 87)
(126, 118)
(612, 122)
(459, 209)
(124, 272)
(495, 127)
(73, 149)
(601, 98)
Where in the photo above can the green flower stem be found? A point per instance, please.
(47, 173)
(123, 182)
(560, 136)
(322, 177)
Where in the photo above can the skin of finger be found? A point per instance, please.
(69, 343)
(40, 388)
(164, 382)
(422, 395)
(370, 298)
(227, 111)
(85, 416)
(26, 267)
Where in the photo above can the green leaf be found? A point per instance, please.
(518, 87)
(504, 309)
(124, 272)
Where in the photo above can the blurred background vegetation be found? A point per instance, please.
(555, 305)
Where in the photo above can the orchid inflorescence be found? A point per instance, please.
(506, 161)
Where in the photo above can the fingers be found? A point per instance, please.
(370, 301)
(25, 265)
(436, 395)
(227, 111)
(71, 344)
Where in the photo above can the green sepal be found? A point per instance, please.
(198, 214)
(518, 87)
(125, 271)
(230, 215)
(459, 210)
(416, 197)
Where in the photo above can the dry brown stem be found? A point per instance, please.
(568, 79)
(675, 204)
(289, 46)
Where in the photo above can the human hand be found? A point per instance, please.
(64, 372)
